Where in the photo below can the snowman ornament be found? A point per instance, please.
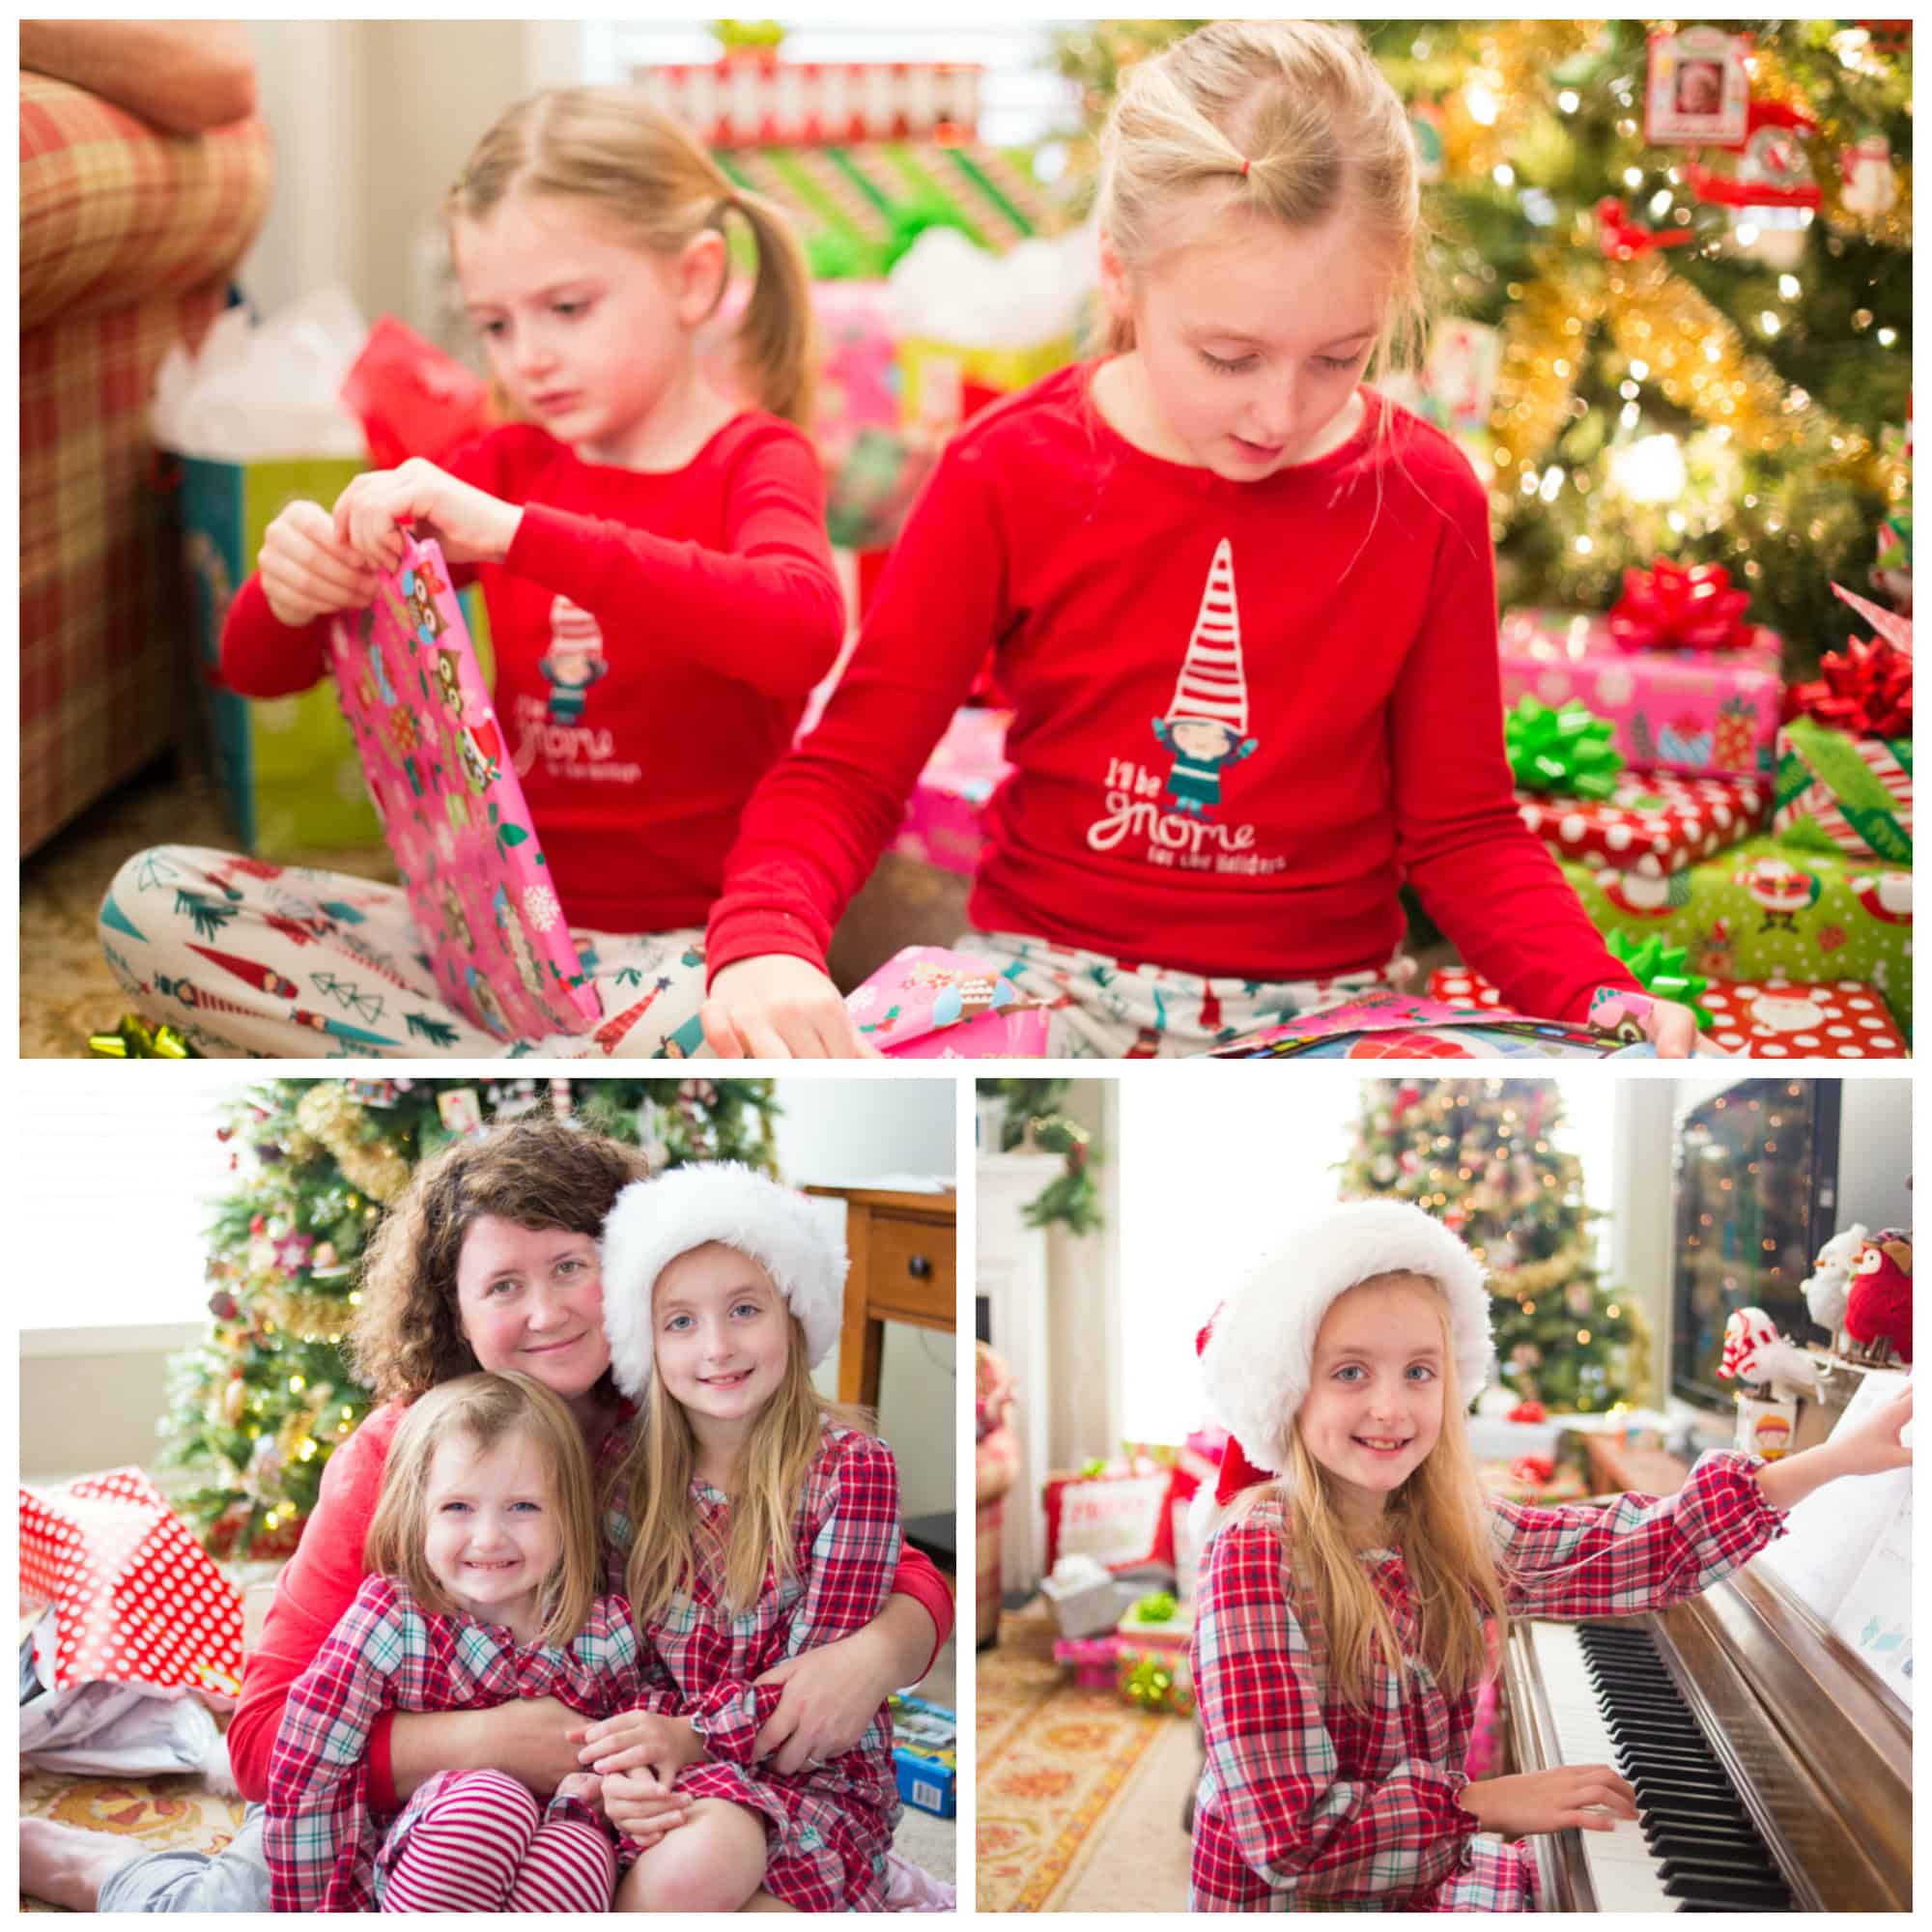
(1868, 183)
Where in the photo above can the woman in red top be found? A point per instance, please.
(659, 590)
(1243, 608)
(489, 1259)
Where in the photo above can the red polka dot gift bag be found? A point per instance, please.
(136, 1598)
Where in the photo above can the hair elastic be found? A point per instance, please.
(1246, 164)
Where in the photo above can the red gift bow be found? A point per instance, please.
(1867, 691)
(1620, 239)
(1668, 607)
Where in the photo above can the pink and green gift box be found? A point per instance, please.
(1712, 712)
(944, 821)
(1766, 911)
(1837, 793)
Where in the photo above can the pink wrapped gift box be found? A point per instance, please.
(944, 823)
(926, 1003)
(1709, 712)
(1776, 1020)
(1654, 822)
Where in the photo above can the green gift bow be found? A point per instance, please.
(1663, 971)
(1567, 751)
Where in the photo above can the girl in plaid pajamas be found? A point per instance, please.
(1354, 1531)
(762, 1524)
(484, 1555)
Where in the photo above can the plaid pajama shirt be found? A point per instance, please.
(326, 1850)
(827, 1829)
(1306, 1802)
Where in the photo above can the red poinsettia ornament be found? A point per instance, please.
(1669, 607)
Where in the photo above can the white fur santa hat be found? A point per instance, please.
(1257, 1353)
(652, 1222)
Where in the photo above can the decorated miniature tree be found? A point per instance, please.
(258, 1405)
(1482, 1156)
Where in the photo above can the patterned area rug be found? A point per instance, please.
(156, 1814)
(1052, 1758)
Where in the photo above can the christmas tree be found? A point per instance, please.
(268, 1393)
(1481, 1155)
(1700, 353)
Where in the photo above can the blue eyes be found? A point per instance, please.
(751, 1310)
(1351, 1370)
(520, 1509)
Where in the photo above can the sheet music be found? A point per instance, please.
(1830, 1554)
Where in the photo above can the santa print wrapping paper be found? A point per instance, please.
(485, 911)
(1840, 793)
(944, 822)
(1764, 912)
(926, 1003)
(136, 1598)
(1711, 711)
(1654, 822)
(1844, 1021)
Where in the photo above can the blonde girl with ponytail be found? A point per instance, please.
(653, 555)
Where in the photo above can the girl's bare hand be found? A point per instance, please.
(1589, 1796)
(640, 1740)
(777, 1008)
(1671, 1029)
(471, 525)
(830, 1695)
(642, 1806)
(306, 572)
(1870, 1447)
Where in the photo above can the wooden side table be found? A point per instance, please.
(903, 1269)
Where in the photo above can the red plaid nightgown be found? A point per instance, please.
(827, 1829)
(325, 1848)
(1308, 1804)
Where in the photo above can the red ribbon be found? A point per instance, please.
(1866, 691)
(1670, 608)
(1620, 239)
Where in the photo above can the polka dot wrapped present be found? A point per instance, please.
(1654, 823)
(136, 1598)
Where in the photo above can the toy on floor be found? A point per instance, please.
(926, 1749)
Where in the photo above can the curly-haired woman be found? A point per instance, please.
(488, 1259)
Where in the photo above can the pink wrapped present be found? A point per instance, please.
(926, 1003)
(1773, 1020)
(136, 1598)
(1654, 822)
(1685, 711)
(943, 823)
(1094, 1660)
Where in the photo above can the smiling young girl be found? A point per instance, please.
(1359, 1581)
(484, 1562)
(659, 583)
(1243, 607)
(764, 1522)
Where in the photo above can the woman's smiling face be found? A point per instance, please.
(533, 1299)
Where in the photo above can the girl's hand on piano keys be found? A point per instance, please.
(1591, 1797)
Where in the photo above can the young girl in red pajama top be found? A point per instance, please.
(762, 1524)
(485, 1556)
(1243, 608)
(1352, 1531)
(659, 583)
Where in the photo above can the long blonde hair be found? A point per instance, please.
(779, 1452)
(486, 1409)
(1285, 118)
(1439, 1521)
(612, 146)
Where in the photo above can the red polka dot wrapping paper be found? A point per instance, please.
(1846, 1020)
(1655, 823)
(136, 1598)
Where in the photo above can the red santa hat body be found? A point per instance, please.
(652, 1222)
(1257, 1355)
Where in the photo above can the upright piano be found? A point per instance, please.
(1773, 1770)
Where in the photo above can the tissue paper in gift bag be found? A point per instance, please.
(137, 1599)
(926, 1003)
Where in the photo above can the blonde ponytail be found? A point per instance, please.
(777, 358)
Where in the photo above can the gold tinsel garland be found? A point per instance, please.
(1544, 336)
(308, 1317)
(327, 1111)
(1534, 1278)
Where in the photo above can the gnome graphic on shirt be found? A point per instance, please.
(575, 662)
(1206, 723)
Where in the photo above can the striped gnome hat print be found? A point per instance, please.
(1212, 688)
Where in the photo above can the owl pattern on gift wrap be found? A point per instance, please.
(516, 943)
(457, 921)
(448, 680)
(421, 587)
(482, 748)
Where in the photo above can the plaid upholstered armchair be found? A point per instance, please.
(128, 235)
(996, 1462)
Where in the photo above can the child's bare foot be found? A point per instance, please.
(64, 1865)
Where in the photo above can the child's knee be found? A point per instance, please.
(714, 1862)
(492, 1798)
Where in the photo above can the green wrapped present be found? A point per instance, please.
(1766, 911)
(1836, 793)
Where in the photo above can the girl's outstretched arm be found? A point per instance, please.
(1868, 1448)
(1300, 1825)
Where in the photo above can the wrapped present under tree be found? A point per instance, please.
(1650, 822)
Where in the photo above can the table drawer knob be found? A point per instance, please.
(919, 1268)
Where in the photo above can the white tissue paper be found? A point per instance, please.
(944, 289)
(270, 391)
(106, 1729)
